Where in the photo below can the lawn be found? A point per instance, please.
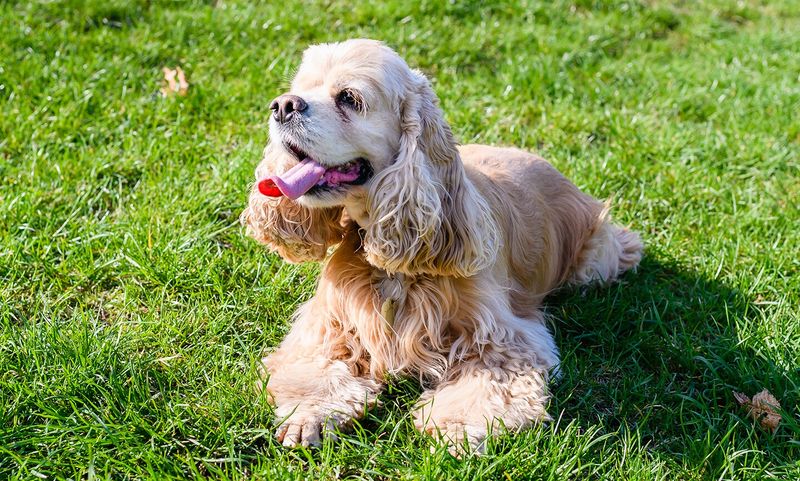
(133, 310)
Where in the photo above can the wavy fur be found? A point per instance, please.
(425, 216)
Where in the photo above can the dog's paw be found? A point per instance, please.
(306, 426)
(460, 437)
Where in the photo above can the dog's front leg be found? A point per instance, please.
(312, 382)
(504, 386)
(480, 399)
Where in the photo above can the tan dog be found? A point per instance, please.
(443, 253)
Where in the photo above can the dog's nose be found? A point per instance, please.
(284, 107)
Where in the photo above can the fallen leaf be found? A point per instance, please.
(174, 82)
(762, 408)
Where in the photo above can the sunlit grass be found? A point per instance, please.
(133, 310)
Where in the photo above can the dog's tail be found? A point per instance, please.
(610, 251)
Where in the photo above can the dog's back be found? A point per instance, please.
(554, 233)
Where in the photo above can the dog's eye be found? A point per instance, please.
(346, 97)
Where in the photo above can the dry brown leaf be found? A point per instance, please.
(174, 82)
(762, 408)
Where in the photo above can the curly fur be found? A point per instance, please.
(462, 242)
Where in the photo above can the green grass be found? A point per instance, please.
(133, 309)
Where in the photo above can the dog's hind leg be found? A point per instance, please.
(610, 251)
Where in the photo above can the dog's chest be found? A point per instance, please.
(408, 330)
(412, 305)
(391, 292)
(412, 302)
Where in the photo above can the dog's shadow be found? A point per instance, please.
(660, 353)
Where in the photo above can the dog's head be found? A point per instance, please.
(374, 141)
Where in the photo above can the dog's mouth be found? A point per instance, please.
(311, 177)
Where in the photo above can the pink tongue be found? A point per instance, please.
(294, 182)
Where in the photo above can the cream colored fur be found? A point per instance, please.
(464, 243)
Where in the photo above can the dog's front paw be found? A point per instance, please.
(314, 396)
(460, 437)
(306, 426)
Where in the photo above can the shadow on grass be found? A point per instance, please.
(660, 353)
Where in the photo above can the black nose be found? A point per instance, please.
(284, 107)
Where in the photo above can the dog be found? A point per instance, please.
(436, 256)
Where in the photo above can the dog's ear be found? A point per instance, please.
(425, 216)
(295, 232)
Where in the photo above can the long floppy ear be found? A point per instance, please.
(295, 232)
(425, 216)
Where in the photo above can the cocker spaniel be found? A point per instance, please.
(441, 254)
